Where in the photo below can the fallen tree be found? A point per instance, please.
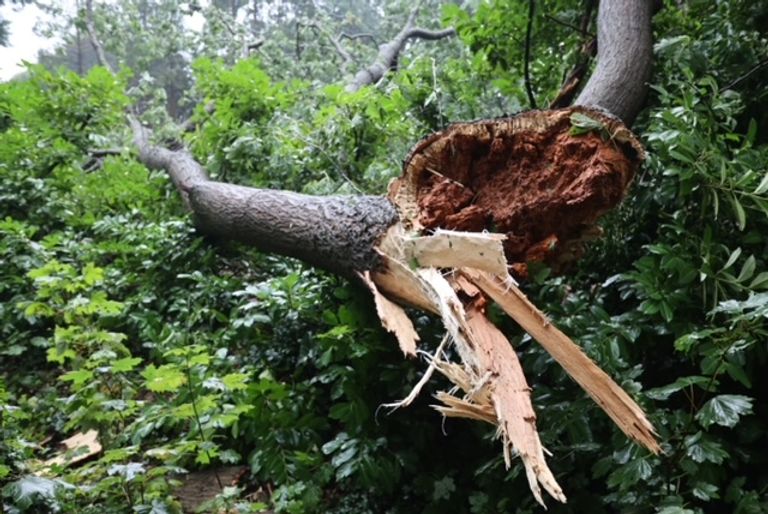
(476, 202)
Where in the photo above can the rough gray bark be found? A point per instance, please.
(624, 58)
(336, 233)
(389, 52)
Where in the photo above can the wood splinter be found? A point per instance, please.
(508, 192)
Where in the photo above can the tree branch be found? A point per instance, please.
(390, 51)
(624, 58)
(588, 49)
(527, 62)
(335, 41)
(101, 56)
(360, 35)
(335, 233)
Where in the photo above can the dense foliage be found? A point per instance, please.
(185, 353)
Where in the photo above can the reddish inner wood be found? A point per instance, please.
(540, 188)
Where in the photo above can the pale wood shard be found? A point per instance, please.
(457, 408)
(393, 318)
(621, 408)
(492, 367)
(433, 365)
(511, 400)
(75, 449)
(454, 249)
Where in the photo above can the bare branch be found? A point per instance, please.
(527, 65)
(386, 59)
(360, 35)
(101, 56)
(734, 84)
(588, 50)
(335, 41)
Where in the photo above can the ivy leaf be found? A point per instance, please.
(443, 489)
(724, 410)
(127, 471)
(702, 449)
(28, 490)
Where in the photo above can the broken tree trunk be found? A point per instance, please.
(476, 202)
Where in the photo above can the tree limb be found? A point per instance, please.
(386, 59)
(527, 62)
(624, 58)
(576, 76)
(101, 56)
(335, 233)
(346, 57)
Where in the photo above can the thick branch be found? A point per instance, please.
(624, 57)
(386, 59)
(336, 233)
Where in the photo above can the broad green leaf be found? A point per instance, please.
(126, 364)
(664, 392)
(724, 410)
(235, 381)
(166, 378)
(78, 377)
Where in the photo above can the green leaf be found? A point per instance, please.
(747, 269)
(126, 364)
(664, 392)
(738, 209)
(166, 378)
(443, 489)
(78, 377)
(762, 187)
(732, 259)
(92, 274)
(705, 491)
(702, 449)
(760, 281)
(235, 381)
(724, 410)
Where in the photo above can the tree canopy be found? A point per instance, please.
(187, 371)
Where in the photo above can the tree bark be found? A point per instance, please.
(624, 58)
(336, 233)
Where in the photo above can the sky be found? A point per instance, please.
(23, 42)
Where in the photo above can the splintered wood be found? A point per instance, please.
(542, 186)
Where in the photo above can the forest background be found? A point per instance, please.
(185, 353)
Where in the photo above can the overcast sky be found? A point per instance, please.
(23, 42)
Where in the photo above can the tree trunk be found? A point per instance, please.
(540, 178)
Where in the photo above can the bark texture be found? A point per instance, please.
(624, 58)
(336, 233)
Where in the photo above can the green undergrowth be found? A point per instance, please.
(184, 353)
